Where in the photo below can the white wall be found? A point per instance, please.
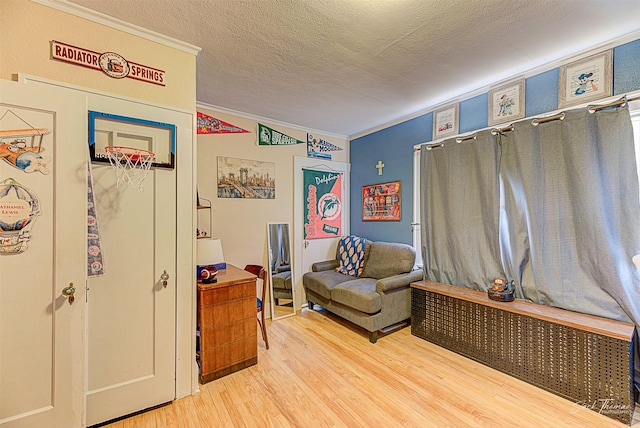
(241, 223)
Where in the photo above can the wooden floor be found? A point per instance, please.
(323, 372)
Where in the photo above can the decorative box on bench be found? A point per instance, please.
(583, 358)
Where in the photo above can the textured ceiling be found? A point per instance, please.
(348, 66)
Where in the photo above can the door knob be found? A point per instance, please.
(164, 277)
(69, 292)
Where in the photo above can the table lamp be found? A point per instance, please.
(209, 253)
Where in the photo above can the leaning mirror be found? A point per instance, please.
(280, 270)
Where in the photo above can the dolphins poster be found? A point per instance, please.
(322, 204)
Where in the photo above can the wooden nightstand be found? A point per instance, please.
(227, 323)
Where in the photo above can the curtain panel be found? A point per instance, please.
(460, 212)
(558, 199)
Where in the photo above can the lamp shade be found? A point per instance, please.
(210, 253)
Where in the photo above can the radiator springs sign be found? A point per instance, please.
(111, 63)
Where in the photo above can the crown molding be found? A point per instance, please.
(100, 18)
(269, 120)
(567, 59)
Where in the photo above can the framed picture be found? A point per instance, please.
(246, 179)
(113, 130)
(506, 103)
(445, 121)
(382, 202)
(586, 80)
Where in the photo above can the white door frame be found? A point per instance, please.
(298, 212)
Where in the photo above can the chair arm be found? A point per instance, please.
(398, 281)
(326, 265)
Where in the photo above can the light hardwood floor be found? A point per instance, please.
(322, 372)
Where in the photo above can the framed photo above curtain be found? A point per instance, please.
(382, 202)
(506, 103)
(445, 121)
(586, 80)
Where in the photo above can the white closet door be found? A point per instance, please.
(131, 313)
(42, 335)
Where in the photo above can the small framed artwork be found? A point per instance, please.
(586, 80)
(382, 202)
(112, 130)
(445, 121)
(506, 102)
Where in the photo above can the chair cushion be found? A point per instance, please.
(281, 280)
(388, 259)
(351, 255)
(359, 294)
(322, 282)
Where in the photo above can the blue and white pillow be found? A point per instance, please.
(351, 255)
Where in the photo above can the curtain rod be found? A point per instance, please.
(468, 137)
(559, 116)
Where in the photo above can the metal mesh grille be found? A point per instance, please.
(592, 370)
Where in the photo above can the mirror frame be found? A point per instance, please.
(293, 282)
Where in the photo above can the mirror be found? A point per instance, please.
(281, 278)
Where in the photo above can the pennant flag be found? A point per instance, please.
(318, 148)
(211, 125)
(270, 137)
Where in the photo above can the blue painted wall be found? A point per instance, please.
(394, 145)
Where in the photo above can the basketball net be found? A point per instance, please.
(131, 165)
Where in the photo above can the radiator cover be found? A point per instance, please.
(590, 369)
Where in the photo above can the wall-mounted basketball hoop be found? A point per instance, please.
(131, 165)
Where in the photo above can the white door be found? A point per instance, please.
(309, 251)
(41, 334)
(131, 314)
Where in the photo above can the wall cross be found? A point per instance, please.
(380, 165)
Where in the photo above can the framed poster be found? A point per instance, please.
(246, 179)
(113, 130)
(506, 103)
(322, 204)
(382, 202)
(586, 80)
(445, 121)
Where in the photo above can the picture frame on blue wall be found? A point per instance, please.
(586, 80)
(506, 102)
(445, 121)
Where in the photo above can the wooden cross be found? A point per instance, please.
(380, 165)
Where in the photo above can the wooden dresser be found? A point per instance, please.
(227, 324)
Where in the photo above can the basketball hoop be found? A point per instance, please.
(130, 164)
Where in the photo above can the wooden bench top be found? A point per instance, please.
(604, 326)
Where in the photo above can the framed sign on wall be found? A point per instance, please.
(506, 102)
(382, 202)
(586, 80)
(445, 121)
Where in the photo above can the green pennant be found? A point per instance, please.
(270, 137)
